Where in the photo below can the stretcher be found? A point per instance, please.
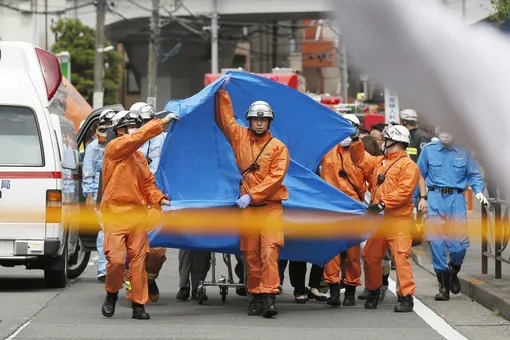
(223, 282)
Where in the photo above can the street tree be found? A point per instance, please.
(501, 11)
(73, 36)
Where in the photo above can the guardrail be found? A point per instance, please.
(495, 234)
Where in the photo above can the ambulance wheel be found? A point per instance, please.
(201, 295)
(223, 292)
(56, 271)
(80, 259)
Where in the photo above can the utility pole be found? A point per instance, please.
(463, 9)
(275, 44)
(214, 37)
(46, 25)
(345, 73)
(152, 74)
(99, 55)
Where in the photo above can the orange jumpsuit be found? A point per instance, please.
(335, 160)
(260, 247)
(128, 188)
(397, 194)
(155, 259)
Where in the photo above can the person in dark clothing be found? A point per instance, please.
(419, 138)
(297, 274)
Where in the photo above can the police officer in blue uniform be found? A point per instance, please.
(446, 169)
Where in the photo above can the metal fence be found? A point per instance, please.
(495, 234)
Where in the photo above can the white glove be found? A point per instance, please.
(226, 82)
(243, 201)
(172, 116)
(482, 198)
(164, 202)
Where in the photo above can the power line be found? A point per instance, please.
(54, 12)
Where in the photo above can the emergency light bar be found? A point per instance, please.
(50, 67)
(328, 100)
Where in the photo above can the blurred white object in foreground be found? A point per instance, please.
(458, 76)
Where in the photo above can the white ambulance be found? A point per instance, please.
(39, 166)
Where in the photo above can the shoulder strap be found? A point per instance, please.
(377, 186)
(254, 165)
(349, 180)
(148, 149)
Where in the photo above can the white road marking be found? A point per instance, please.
(432, 319)
(13, 335)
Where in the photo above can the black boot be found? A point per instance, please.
(373, 299)
(400, 298)
(406, 306)
(139, 312)
(364, 294)
(454, 280)
(194, 295)
(108, 308)
(153, 291)
(241, 291)
(269, 306)
(255, 305)
(183, 294)
(334, 292)
(444, 286)
(349, 296)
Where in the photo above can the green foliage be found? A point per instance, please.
(79, 40)
(502, 11)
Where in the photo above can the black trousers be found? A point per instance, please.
(297, 274)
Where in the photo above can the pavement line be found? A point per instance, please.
(20, 328)
(431, 318)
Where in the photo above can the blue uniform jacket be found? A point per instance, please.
(449, 168)
(152, 149)
(92, 165)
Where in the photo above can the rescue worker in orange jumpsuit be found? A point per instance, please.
(128, 189)
(393, 181)
(152, 151)
(338, 170)
(262, 161)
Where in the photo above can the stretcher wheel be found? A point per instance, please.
(223, 292)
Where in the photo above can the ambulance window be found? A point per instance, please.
(20, 140)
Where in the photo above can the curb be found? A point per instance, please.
(479, 291)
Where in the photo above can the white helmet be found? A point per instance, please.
(126, 118)
(145, 110)
(397, 133)
(260, 109)
(409, 114)
(353, 119)
(106, 116)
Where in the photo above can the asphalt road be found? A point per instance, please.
(30, 311)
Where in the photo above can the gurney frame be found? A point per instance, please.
(223, 282)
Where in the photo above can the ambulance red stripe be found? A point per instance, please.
(30, 174)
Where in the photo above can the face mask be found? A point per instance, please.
(346, 142)
(445, 138)
(385, 148)
(131, 130)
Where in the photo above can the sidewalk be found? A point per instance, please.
(484, 289)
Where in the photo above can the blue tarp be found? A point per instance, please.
(197, 168)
